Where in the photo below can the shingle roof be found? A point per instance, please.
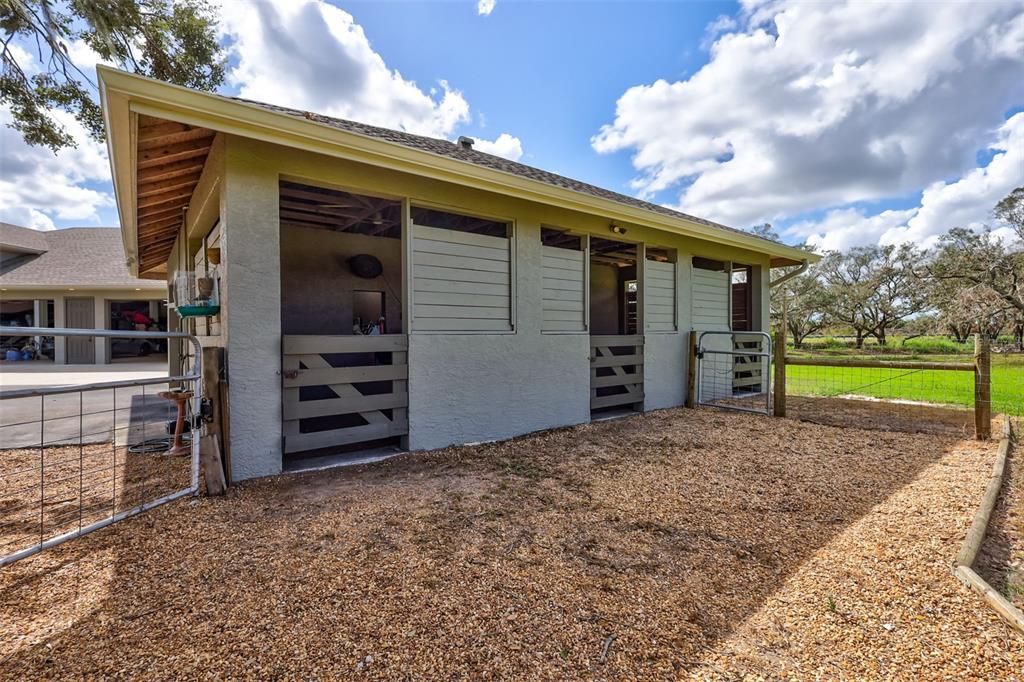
(455, 151)
(21, 239)
(76, 256)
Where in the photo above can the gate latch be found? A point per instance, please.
(206, 410)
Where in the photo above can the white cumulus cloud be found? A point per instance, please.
(308, 54)
(484, 7)
(38, 186)
(964, 202)
(817, 105)
(506, 145)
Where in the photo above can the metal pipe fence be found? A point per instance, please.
(77, 458)
(734, 370)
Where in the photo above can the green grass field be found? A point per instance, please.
(932, 386)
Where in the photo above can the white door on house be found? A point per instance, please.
(79, 314)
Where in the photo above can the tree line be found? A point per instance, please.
(971, 281)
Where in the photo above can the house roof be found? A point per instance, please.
(456, 151)
(129, 98)
(21, 239)
(86, 257)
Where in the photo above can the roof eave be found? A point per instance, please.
(118, 121)
(144, 286)
(129, 93)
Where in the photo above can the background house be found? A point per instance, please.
(77, 278)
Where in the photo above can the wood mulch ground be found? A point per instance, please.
(45, 492)
(673, 544)
(1001, 561)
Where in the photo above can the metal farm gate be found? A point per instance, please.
(734, 370)
(76, 458)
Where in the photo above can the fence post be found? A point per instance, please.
(779, 350)
(982, 388)
(209, 452)
(691, 371)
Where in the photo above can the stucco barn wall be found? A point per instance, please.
(463, 387)
(474, 387)
(251, 295)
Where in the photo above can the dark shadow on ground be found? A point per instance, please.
(617, 549)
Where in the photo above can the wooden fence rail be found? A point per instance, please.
(357, 389)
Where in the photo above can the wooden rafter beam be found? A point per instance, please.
(329, 197)
(315, 209)
(159, 226)
(181, 153)
(153, 189)
(157, 213)
(171, 170)
(158, 141)
(180, 198)
(311, 218)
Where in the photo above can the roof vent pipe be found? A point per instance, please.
(466, 142)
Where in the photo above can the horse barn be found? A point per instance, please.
(375, 291)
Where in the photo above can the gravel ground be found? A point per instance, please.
(673, 544)
(1001, 561)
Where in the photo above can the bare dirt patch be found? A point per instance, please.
(677, 543)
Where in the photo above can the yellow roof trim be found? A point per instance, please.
(123, 94)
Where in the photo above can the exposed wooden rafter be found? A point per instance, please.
(169, 164)
(328, 209)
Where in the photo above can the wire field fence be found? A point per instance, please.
(77, 458)
(957, 396)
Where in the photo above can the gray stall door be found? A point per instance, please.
(79, 314)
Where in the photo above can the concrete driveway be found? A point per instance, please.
(127, 415)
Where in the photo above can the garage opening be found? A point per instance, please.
(26, 313)
(344, 342)
(134, 315)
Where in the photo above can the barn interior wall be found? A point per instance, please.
(317, 283)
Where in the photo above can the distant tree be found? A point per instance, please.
(968, 259)
(171, 40)
(802, 301)
(973, 310)
(868, 289)
(1010, 211)
(802, 297)
(894, 295)
(766, 231)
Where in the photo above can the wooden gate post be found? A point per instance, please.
(779, 351)
(691, 371)
(982, 388)
(209, 452)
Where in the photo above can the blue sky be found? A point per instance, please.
(547, 72)
(841, 123)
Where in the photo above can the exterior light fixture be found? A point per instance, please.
(617, 229)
